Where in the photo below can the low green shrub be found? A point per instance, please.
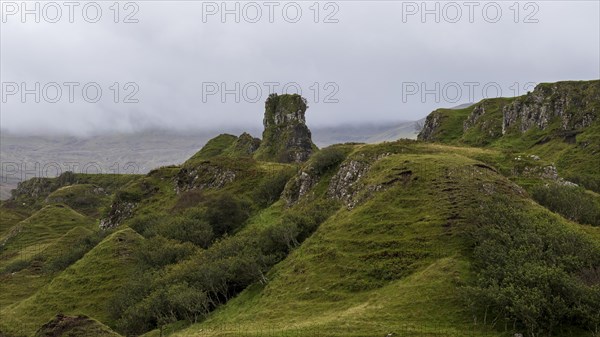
(327, 158)
(572, 202)
(529, 270)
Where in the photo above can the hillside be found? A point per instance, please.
(24, 156)
(474, 230)
(558, 122)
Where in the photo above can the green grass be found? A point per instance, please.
(213, 148)
(396, 261)
(84, 288)
(393, 263)
(87, 199)
(30, 236)
(10, 217)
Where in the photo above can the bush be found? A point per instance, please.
(327, 158)
(125, 309)
(196, 285)
(146, 224)
(191, 226)
(529, 270)
(158, 252)
(271, 188)
(189, 199)
(574, 203)
(225, 213)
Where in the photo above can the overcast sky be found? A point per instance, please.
(361, 62)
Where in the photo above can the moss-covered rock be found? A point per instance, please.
(245, 145)
(575, 104)
(286, 137)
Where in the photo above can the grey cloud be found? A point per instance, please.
(368, 55)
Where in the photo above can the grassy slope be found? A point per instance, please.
(84, 198)
(214, 147)
(30, 243)
(10, 217)
(577, 161)
(30, 236)
(83, 288)
(394, 263)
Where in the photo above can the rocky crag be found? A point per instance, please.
(564, 107)
(286, 138)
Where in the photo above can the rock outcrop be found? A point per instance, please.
(36, 188)
(286, 138)
(575, 104)
(564, 107)
(431, 126)
(206, 175)
(119, 211)
(245, 145)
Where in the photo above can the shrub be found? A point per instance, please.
(191, 226)
(529, 270)
(189, 199)
(225, 213)
(271, 188)
(158, 252)
(198, 284)
(327, 158)
(574, 203)
(125, 305)
(146, 224)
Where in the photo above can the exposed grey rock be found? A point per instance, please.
(286, 138)
(432, 124)
(576, 109)
(345, 183)
(206, 175)
(478, 111)
(119, 211)
(33, 188)
(547, 172)
(299, 186)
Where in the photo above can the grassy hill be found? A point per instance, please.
(103, 269)
(410, 238)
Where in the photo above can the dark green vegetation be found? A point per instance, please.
(408, 237)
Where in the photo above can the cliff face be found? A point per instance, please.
(562, 107)
(575, 104)
(431, 126)
(286, 138)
